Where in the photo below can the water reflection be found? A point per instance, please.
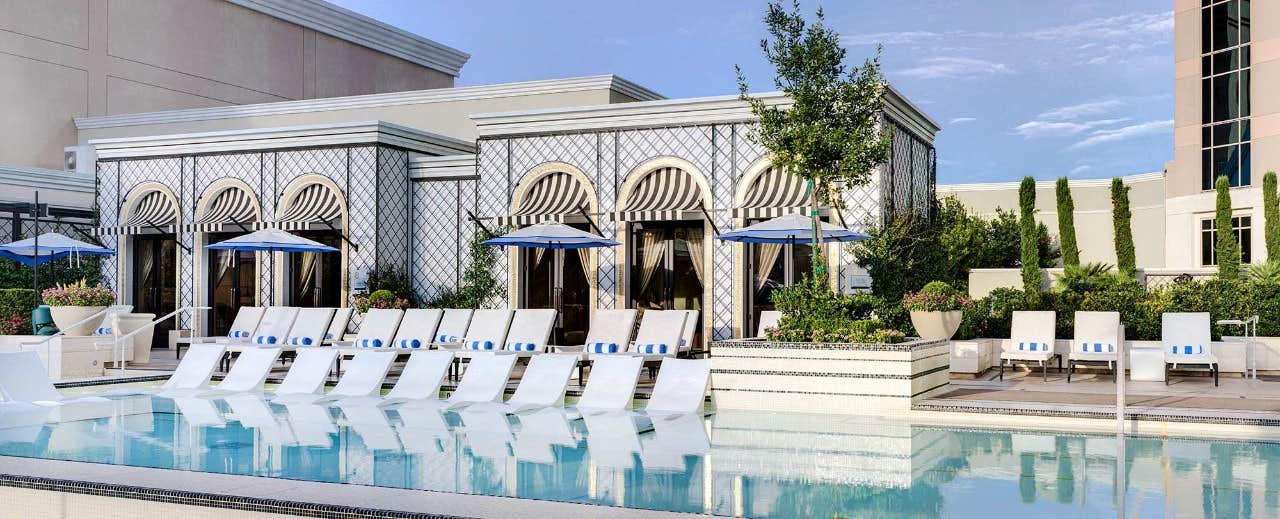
(732, 464)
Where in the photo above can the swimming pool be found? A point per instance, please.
(731, 463)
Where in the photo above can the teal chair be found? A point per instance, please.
(42, 321)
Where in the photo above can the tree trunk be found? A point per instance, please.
(819, 268)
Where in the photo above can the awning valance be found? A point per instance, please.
(663, 194)
(231, 209)
(551, 197)
(153, 211)
(315, 203)
(772, 194)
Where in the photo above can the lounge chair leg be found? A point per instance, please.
(1070, 368)
(1215, 375)
(1059, 363)
(1166, 374)
(1001, 369)
(1044, 371)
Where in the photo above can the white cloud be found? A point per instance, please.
(1124, 133)
(1080, 170)
(1132, 26)
(1039, 129)
(962, 120)
(1077, 111)
(890, 38)
(955, 68)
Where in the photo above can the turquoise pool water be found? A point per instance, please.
(731, 463)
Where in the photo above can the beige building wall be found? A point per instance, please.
(1187, 203)
(61, 59)
(1095, 232)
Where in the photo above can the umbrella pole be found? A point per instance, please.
(35, 258)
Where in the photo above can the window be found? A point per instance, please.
(1226, 78)
(1243, 228)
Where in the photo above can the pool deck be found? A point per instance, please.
(290, 497)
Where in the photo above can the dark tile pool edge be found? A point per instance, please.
(986, 407)
(204, 499)
(111, 381)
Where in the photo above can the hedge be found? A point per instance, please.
(16, 305)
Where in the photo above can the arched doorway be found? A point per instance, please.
(150, 217)
(763, 193)
(668, 243)
(313, 208)
(227, 209)
(561, 279)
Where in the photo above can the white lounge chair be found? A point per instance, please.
(1187, 340)
(242, 327)
(419, 380)
(422, 429)
(673, 438)
(273, 329)
(199, 412)
(194, 371)
(660, 334)
(488, 431)
(539, 431)
(768, 319)
(24, 378)
(338, 326)
(310, 425)
(612, 384)
(307, 375)
(487, 331)
(376, 331)
(363, 377)
(248, 373)
(543, 383)
(686, 333)
(1098, 337)
(681, 387)
(370, 423)
(610, 332)
(453, 326)
(417, 329)
(485, 381)
(104, 327)
(255, 413)
(310, 327)
(612, 439)
(1031, 339)
(529, 332)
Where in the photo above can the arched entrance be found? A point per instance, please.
(227, 209)
(667, 239)
(766, 192)
(564, 280)
(313, 207)
(150, 221)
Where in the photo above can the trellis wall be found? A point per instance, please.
(722, 153)
(372, 179)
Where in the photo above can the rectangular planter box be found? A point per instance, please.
(827, 378)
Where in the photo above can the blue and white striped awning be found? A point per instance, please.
(550, 198)
(232, 209)
(772, 194)
(315, 203)
(153, 211)
(663, 194)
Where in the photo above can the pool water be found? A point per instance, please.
(731, 463)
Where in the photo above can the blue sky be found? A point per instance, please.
(1082, 88)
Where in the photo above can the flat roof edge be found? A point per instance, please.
(364, 132)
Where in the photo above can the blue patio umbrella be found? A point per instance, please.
(793, 228)
(551, 235)
(47, 247)
(271, 240)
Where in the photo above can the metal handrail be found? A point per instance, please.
(117, 356)
(63, 331)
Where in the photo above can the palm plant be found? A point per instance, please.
(1085, 277)
(1268, 272)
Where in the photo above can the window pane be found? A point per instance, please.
(1244, 21)
(1244, 130)
(1219, 19)
(1222, 106)
(1233, 23)
(1246, 176)
(1206, 32)
(1243, 91)
(1221, 157)
(1206, 247)
(1206, 170)
(1206, 100)
(1226, 61)
(1244, 236)
(1222, 133)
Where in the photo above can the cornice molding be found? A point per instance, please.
(367, 132)
(354, 27)
(1049, 184)
(452, 167)
(438, 95)
(26, 176)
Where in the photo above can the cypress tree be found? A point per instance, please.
(1032, 280)
(1271, 211)
(1227, 249)
(1126, 262)
(1067, 224)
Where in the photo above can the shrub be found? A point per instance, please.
(900, 256)
(394, 279)
(852, 331)
(1271, 213)
(936, 296)
(382, 299)
(79, 294)
(1126, 261)
(16, 305)
(1067, 224)
(1226, 248)
(1086, 277)
(1032, 279)
(1265, 272)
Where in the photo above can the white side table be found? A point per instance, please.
(1146, 364)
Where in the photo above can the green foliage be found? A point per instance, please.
(1226, 248)
(1271, 212)
(79, 293)
(1086, 277)
(479, 286)
(53, 273)
(901, 256)
(381, 299)
(965, 240)
(16, 305)
(1067, 224)
(394, 279)
(992, 316)
(811, 311)
(1032, 279)
(936, 296)
(841, 331)
(1126, 261)
(1005, 247)
(1265, 272)
(832, 133)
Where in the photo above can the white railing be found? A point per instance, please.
(63, 330)
(117, 354)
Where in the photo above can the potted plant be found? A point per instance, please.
(936, 310)
(380, 299)
(71, 303)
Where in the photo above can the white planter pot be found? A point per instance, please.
(65, 316)
(936, 325)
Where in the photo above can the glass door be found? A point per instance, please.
(232, 284)
(540, 269)
(771, 266)
(315, 278)
(667, 266)
(155, 291)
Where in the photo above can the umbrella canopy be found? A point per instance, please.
(551, 236)
(793, 228)
(272, 240)
(47, 247)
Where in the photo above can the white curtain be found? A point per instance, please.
(766, 257)
(584, 257)
(307, 274)
(654, 249)
(225, 259)
(693, 240)
(146, 262)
